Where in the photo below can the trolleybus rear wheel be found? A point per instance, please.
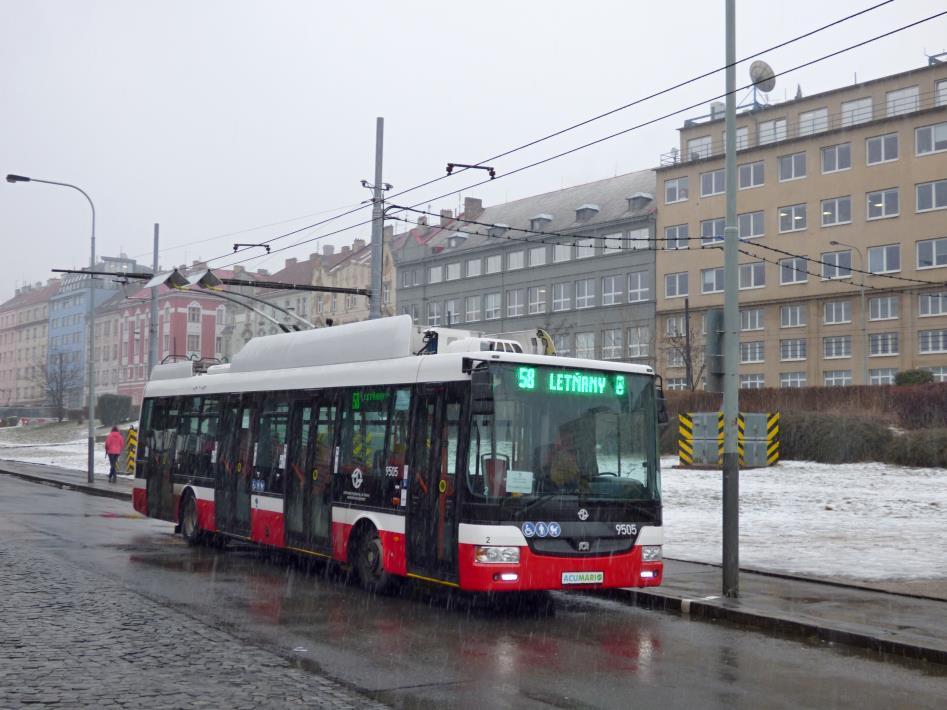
(190, 530)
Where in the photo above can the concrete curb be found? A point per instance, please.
(710, 609)
(65, 485)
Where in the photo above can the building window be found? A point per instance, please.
(675, 285)
(815, 121)
(792, 270)
(882, 376)
(743, 138)
(885, 259)
(931, 139)
(712, 230)
(837, 346)
(435, 274)
(561, 297)
(836, 264)
(881, 149)
(472, 309)
(883, 203)
(939, 373)
(612, 290)
(491, 306)
(751, 319)
(902, 101)
(494, 264)
(772, 131)
(638, 239)
(880, 344)
(561, 252)
(932, 341)
(675, 190)
(792, 349)
(940, 93)
(434, 313)
(585, 345)
(751, 382)
(752, 275)
(836, 158)
(792, 167)
(750, 224)
(932, 253)
(584, 294)
(856, 111)
(537, 256)
(883, 308)
(712, 183)
(676, 383)
(751, 352)
(676, 236)
(453, 271)
(674, 326)
(584, 248)
(835, 312)
(473, 267)
(711, 280)
(611, 344)
(837, 210)
(514, 260)
(837, 378)
(639, 341)
(193, 343)
(639, 286)
(515, 302)
(536, 297)
(698, 148)
(561, 344)
(452, 311)
(675, 358)
(931, 195)
(932, 304)
(750, 175)
(193, 314)
(792, 218)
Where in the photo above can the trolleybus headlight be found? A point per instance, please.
(651, 553)
(490, 554)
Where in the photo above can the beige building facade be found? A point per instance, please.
(842, 203)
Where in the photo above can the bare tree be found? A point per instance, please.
(59, 380)
(685, 349)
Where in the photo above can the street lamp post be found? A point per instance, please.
(91, 316)
(864, 315)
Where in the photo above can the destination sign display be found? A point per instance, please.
(532, 379)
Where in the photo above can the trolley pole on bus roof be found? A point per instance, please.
(378, 228)
(731, 328)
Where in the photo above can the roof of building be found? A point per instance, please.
(31, 295)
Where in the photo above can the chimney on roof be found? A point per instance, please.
(473, 207)
(388, 233)
(447, 216)
(358, 244)
(314, 257)
(290, 262)
(346, 249)
(328, 250)
(422, 220)
(262, 272)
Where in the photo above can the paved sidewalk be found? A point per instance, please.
(901, 619)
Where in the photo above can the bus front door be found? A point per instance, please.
(432, 520)
(308, 491)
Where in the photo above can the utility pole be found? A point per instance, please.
(731, 318)
(378, 230)
(153, 325)
(688, 360)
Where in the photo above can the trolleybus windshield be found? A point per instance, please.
(555, 432)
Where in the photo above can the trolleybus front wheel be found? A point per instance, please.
(370, 566)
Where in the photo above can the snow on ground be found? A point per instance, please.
(862, 521)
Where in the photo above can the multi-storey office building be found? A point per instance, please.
(24, 325)
(590, 288)
(842, 206)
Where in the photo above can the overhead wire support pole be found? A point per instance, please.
(153, 324)
(378, 224)
(731, 323)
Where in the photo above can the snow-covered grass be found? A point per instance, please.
(863, 521)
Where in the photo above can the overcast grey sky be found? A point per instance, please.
(214, 117)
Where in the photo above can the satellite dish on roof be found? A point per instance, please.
(762, 76)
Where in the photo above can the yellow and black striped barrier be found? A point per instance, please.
(131, 450)
(685, 439)
(772, 438)
(741, 436)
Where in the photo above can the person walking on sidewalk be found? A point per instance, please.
(114, 443)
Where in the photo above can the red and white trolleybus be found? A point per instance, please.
(406, 451)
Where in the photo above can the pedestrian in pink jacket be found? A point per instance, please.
(114, 443)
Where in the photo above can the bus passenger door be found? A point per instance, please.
(308, 489)
(225, 464)
(432, 489)
(297, 475)
(245, 457)
(319, 508)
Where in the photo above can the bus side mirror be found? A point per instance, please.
(481, 392)
(661, 402)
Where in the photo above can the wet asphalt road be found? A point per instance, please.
(428, 647)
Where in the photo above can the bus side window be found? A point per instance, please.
(207, 438)
(269, 464)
